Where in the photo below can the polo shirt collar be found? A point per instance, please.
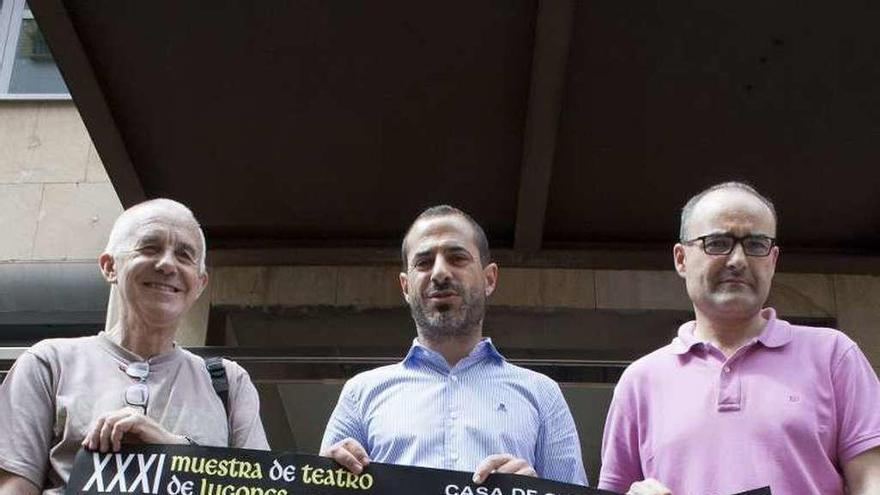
(776, 333)
(484, 349)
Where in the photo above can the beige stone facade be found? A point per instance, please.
(56, 201)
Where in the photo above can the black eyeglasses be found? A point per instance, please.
(723, 244)
(138, 394)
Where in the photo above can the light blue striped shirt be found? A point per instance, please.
(419, 412)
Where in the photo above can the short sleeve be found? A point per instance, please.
(857, 398)
(558, 452)
(245, 426)
(621, 458)
(345, 420)
(27, 418)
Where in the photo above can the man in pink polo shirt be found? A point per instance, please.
(741, 399)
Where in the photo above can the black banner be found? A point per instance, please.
(191, 470)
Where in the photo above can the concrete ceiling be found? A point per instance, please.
(312, 131)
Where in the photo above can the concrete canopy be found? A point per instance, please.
(313, 132)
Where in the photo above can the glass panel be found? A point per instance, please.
(34, 70)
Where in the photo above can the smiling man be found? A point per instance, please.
(741, 399)
(454, 402)
(131, 383)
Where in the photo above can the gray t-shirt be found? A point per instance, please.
(58, 387)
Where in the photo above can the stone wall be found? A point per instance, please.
(56, 202)
(854, 300)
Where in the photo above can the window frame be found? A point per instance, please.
(12, 13)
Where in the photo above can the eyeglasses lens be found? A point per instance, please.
(718, 244)
(137, 395)
(138, 369)
(757, 246)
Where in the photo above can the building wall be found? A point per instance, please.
(57, 206)
(854, 300)
(56, 202)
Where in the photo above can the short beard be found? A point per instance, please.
(450, 324)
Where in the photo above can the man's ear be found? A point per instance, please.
(491, 274)
(678, 257)
(404, 286)
(108, 267)
(203, 283)
(774, 256)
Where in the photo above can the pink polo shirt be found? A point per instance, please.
(786, 410)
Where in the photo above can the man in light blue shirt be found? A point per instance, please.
(454, 402)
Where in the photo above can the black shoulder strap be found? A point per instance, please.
(218, 379)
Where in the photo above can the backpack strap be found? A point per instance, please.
(219, 380)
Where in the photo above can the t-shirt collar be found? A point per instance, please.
(776, 333)
(126, 356)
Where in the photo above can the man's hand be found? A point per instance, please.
(349, 453)
(649, 486)
(502, 463)
(109, 429)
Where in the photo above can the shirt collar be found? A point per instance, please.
(124, 355)
(776, 333)
(483, 350)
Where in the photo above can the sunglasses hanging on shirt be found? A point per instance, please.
(138, 394)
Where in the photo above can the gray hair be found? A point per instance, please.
(688, 209)
(119, 234)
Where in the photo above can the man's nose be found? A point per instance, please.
(737, 257)
(441, 272)
(165, 263)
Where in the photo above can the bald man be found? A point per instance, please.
(132, 382)
(742, 399)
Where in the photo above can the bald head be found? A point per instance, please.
(689, 207)
(164, 210)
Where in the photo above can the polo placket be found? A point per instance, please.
(730, 390)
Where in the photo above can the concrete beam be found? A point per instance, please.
(552, 38)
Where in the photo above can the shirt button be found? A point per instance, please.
(727, 369)
(453, 378)
(454, 456)
(453, 415)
